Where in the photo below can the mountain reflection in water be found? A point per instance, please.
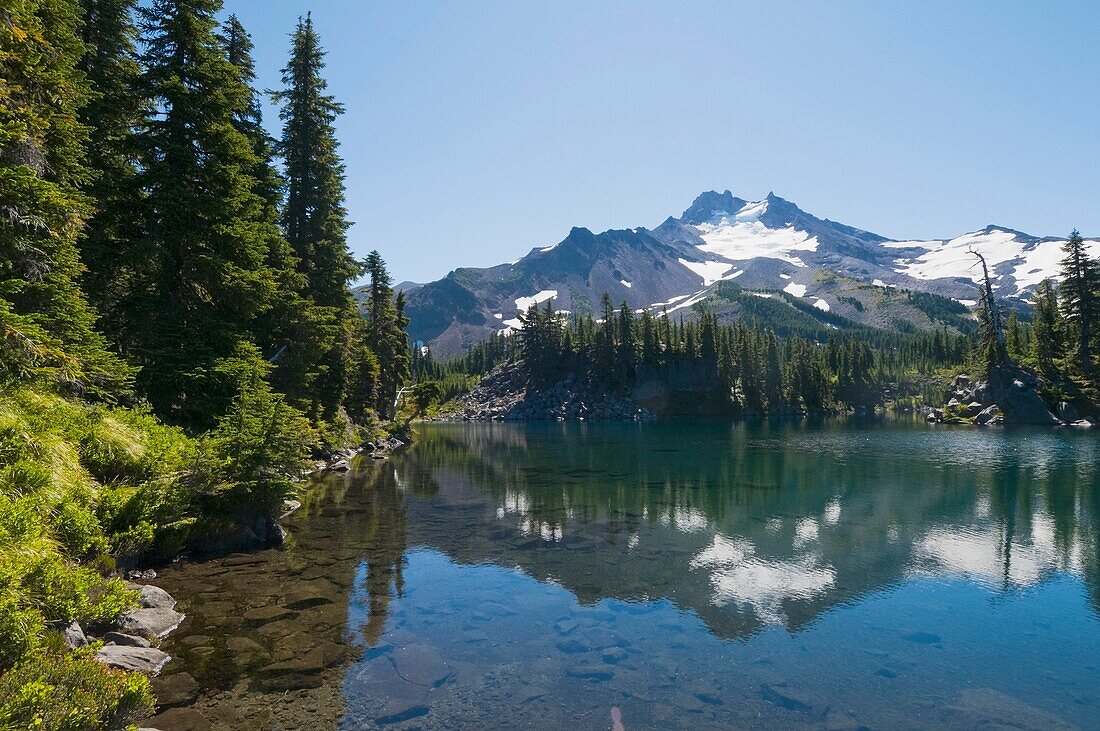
(844, 574)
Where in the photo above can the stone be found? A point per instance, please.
(340, 465)
(598, 673)
(985, 708)
(782, 695)
(139, 659)
(181, 719)
(118, 638)
(153, 597)
(421, 665)
(178, 689)
(74, 636)
(1083, 423)
(312, 662)
(614, 655)
(267, 613)
(985, 416)
(1067, 412)
(151, 623)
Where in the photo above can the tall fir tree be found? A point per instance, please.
(1047, 344)
(113, 111)
(314, 219)
(204, 277)
(47, 328)
(314, 222)
(384, 334)
(1080, 294)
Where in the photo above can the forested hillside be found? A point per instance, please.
(177, 333)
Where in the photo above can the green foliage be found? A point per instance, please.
(59, 691)
(46, 325)
(743, 367)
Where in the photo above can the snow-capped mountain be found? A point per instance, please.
(768, 247)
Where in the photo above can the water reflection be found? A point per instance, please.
(839, 575)
(755, 524)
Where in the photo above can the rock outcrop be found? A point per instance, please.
(504, 395)
(1009, 395)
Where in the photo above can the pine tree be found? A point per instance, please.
(314, 219)
(293, 332)
(1080, 292)
(385, 334)
(46, 325)
(203, 278)
(1047, 344)
(113, 110)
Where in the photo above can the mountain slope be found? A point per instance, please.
(768, 247)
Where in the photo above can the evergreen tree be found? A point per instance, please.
(329, 347)
(113, 110)
(46, 325)
(314, 219)
(1047, 344)
(204, 275)
(385, 334)
(1080, 292)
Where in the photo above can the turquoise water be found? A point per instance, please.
(843, 575)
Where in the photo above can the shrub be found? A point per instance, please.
(62, 691)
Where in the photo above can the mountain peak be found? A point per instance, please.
(710, 203)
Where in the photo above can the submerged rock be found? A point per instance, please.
(178, 689)
(986, 708)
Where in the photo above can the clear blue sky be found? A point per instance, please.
(477, 130)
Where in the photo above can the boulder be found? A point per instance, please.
(74, 636)
(1084, 423)
(135, 659)
(972, 409)
(118, 638)
(153, 597)
(150, 623)
(1022, 405)
(181, 719)
(178, 689)
(340, 465)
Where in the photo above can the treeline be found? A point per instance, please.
(751, 369)
(177, 332)
(1062, 340)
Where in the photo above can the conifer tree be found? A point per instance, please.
(314, 219)
(385, 334)
(1080, 292)
(1047, 344)
(46, 325)
(113, 110)
(293, 332)
(204, 275)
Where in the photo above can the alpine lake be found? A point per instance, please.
(836, 574)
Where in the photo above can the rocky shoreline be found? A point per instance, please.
(503, 395)
(133, 643)
(1006, 397)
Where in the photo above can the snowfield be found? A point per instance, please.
(1032, 261)
(709, 271)
(743, 236)
(798, 290)
(524, 303)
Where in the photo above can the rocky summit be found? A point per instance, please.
(770, 248)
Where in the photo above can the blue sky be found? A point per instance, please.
(477, 130)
